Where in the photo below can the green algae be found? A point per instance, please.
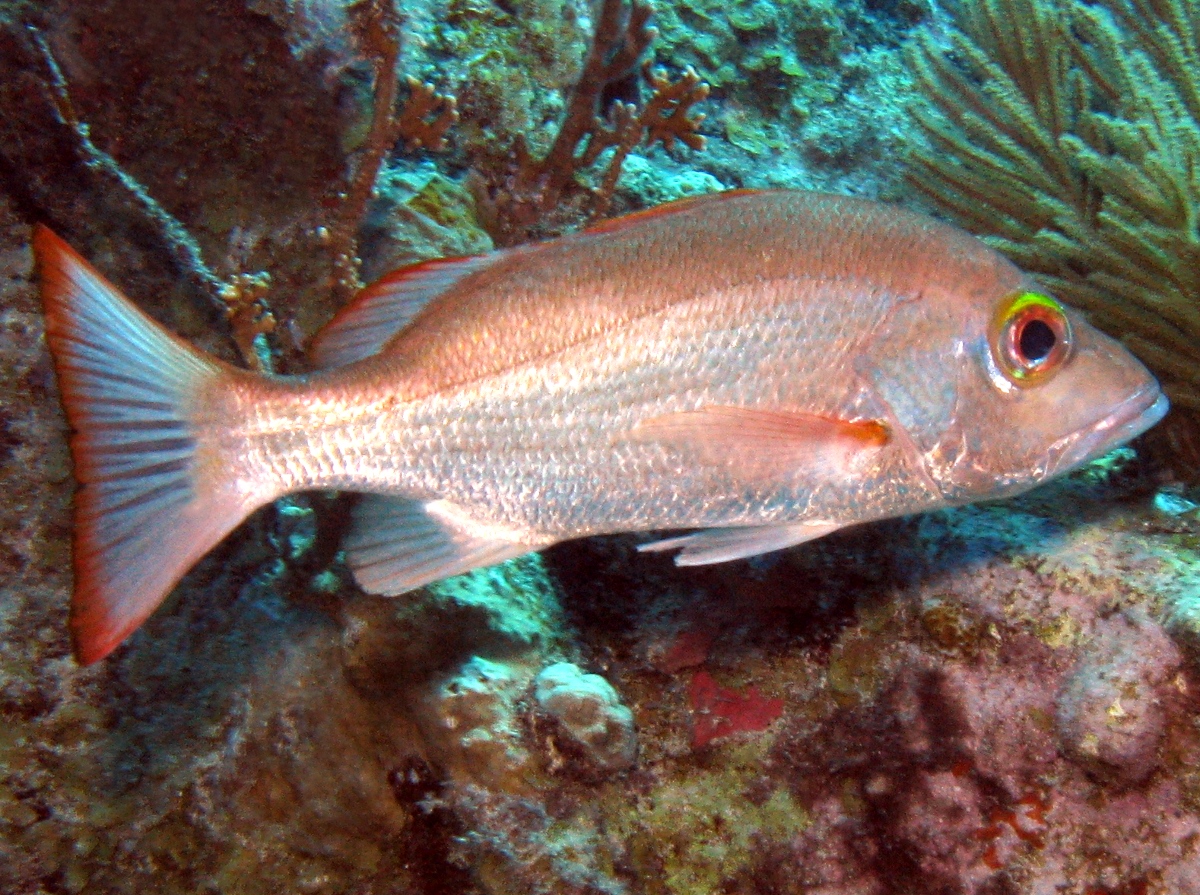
(858, 669)
(416, 215)
(517, 57)
(447, 204)
(518, 598)
(955, 627)
(700, 829)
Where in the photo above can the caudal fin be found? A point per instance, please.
(151, 501)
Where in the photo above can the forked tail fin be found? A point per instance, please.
(152, 499)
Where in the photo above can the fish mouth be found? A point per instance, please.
(1130, 419)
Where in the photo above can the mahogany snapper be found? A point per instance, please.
(767, 367)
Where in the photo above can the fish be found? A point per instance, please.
(761, 368)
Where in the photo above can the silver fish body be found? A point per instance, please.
(765, 366)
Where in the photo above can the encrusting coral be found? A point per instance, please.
(1111, 713)
(591, 727)
(1068, 135)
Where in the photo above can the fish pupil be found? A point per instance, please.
(1036, 340)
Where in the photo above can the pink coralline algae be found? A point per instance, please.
(719, 711)
(1112, 712)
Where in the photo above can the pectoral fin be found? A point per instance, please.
(767, 441)
(398, 545)
(715, 545)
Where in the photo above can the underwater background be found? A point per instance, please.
(989, 700)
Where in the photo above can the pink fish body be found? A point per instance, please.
(767, 367)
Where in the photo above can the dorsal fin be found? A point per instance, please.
(381, 310)
(613, 225)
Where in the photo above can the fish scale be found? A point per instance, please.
(767, 367)
(495, 412)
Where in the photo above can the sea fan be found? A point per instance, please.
(1067, 134)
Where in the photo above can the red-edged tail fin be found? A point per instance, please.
(147, 508)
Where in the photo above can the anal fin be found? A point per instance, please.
(398, 544)
(716, 545)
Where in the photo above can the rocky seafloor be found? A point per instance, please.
(988, 700)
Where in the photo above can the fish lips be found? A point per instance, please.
(1130, 419)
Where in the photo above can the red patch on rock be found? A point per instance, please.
(689, 650)
(718, 711)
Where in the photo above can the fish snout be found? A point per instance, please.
(1126, 421)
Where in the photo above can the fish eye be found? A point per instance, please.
(1031, 337)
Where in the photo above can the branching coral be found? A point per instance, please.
(53, 149)
(241, 297)
(422, 122)
(1068, 135)
(426, 116)
(514, 202)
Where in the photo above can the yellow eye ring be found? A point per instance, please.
(1031, 337)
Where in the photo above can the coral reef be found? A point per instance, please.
(418, 213)
(264, 162)
(805, 93)
(513, 68)
(423, 121)
(527, 196)
(183, 766)
(516, 846)
(966, 700)
(987, 700)
(1110, 714)
(510, 64)
(718, 712)
(1065, 134)
(473, 719)
(214, 151)
(592, 730)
